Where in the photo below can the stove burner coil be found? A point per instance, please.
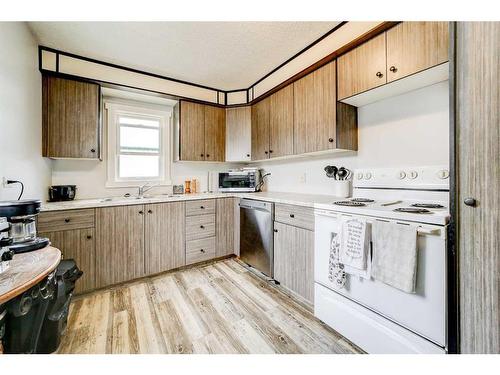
(427, 205)
(362, 200)
(349, 203)
(412, 210)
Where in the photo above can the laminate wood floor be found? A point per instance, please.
(213, 308)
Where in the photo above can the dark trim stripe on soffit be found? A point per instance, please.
(133, 70)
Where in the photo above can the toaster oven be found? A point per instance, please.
(239, 181)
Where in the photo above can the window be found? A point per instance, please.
(138, 145)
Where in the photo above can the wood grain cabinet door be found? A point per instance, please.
(315, 111)
(70, 118)
(215, 133)
(119, 244)
(260, 130)
(281, 123)
(415, 46)
(192, 131)
(294, 259)
(363, 68)
(239, 133)
(164, 236)
(78, 245)
(225, 227)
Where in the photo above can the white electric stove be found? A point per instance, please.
(375, 316)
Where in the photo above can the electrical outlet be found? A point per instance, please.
(5, 185)
(303, 178)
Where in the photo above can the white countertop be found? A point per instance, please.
(308, 200)
(324, 202)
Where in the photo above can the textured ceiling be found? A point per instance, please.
(225, 55)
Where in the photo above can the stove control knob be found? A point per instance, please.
(368, 175)
(413, 175)
(402, 175)
(443, 174)
(360, 176)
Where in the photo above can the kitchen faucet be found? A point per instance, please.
(144, 188)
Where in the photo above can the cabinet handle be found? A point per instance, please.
(275, 231)
(202, 227)
(248, 155)
(270, 151)
(470, 202)
(141, 212)
(330, 140)
(202, 207)
(208, 155)
(292, 216)
(92, 150)
(393, 69)
(201, 155)
(379, 74)
(89, 237)
(67, 220)
(150, 211)
(265, 152)
(202, 250)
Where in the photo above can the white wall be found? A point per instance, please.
(20, 114)
(408, 130)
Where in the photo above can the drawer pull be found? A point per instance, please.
(141, 212)
(202, 250)
(292, 216)
(202, 207)
(202, 226)
(89, 237)
(67, 220)
(379, 74)
(150, 211)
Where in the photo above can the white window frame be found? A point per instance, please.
(141, 110)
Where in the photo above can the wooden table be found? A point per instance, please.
(26, 270)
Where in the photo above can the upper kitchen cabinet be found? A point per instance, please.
(320, 123)
(71, 118)
(201, 132)
(238, 133)
(272, 125)
(363, 68)
(281, 123)
(260, 130)
(215, 133)
(415, 51)
(415, 46)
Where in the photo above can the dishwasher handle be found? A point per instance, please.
(254, 208)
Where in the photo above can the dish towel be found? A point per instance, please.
(395, 255)
(336, 272)
(355, 246)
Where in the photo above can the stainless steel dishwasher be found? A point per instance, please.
(256, 235)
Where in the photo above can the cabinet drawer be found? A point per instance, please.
(200, 207)
(200, 226)
(302, 217)
(200, 250)
(65, 220)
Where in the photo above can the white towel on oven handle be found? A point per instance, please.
(354, 244)
(366, 273)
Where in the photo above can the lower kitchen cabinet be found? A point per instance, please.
(294, 259)
(164, 236)
(119, 244)
(79, 245)
(225, 226)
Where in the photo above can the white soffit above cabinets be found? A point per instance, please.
(225, 55)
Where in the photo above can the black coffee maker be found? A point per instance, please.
(21, 216)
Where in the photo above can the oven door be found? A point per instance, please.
(423, 312)
(237, 181)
